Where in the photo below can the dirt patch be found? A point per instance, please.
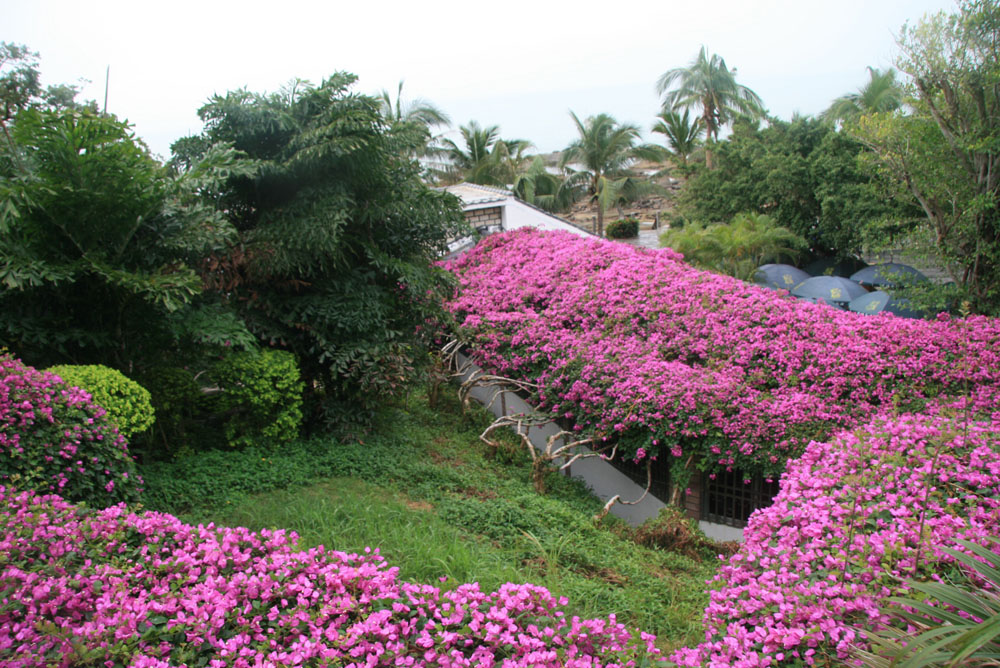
(476, 493)
(419, 505)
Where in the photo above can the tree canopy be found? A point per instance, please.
(945, 153)
(337, 236)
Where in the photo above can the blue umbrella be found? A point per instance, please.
(832, 266)
(879, 301)
(888, 274)
(779, 276)
(829, 288)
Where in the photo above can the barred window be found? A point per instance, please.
(730, 500)
(660, 487)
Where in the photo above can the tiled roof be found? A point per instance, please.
(471, 193)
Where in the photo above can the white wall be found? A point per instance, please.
(517, 214)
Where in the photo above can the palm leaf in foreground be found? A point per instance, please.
(948, 623)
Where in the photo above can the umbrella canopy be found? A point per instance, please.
(779, 276)
(879, 302)
(829, 288)
(831, 266)
(888, 274)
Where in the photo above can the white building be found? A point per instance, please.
(490, 210)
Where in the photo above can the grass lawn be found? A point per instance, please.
(423, 490)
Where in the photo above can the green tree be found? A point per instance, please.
(337, 238)
(483, 157)
(945, 154)
(605, 151)
(683, 135)
(416, 119)
(98, 245)
(882, 93)
(803, 174)
(738, 248)
(709, 85)
(536, 185)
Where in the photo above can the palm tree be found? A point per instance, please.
(484, 158)
(682, 135)
(710, 86)
(606, 150)
(413, 121)
(881, 93)
(415, 111)
(538, 186)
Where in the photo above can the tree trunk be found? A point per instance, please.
(600, 220)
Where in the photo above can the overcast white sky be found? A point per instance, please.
(519, 64)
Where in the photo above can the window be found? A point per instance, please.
(660, 487)
(730, 500)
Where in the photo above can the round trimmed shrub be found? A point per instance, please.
(262, 396)
(54, 438)
(127, 402)
(625, 228)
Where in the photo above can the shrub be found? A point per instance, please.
(126, 402)
(53, 438)
(625, 228)
(855, 519)
(261, 396)
(210, 595)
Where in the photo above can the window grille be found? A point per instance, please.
(729, 500)
(660, 487)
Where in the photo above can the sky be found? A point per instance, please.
(522, 65)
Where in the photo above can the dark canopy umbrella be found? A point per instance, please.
(779, 276)
(888, 274)
(879, 301)
(829, 288)
(831, 266)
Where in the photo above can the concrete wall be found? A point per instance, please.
(603, 478)
(518, 214)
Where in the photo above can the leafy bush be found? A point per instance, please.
(126, 402)
(855, 518)
(263, 601)
(261, 396)
(625, 228)
(55, 439)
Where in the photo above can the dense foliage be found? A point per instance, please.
(737, 248)
(336, 235)
(235, 597)
(125, 402)
(803, 174)
(855, 517)
(943, 153)
(98, 245)
(624, 228)
(635, 345)
(261, 396)
(53, 438)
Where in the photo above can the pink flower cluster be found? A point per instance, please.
(54, 438)
(145, 590)
(853, 517)
(636, 345)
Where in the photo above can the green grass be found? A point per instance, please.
(425, 492)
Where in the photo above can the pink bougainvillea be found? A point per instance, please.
(634, 344)
(853, 518)
(54, 438)
(120, 588)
